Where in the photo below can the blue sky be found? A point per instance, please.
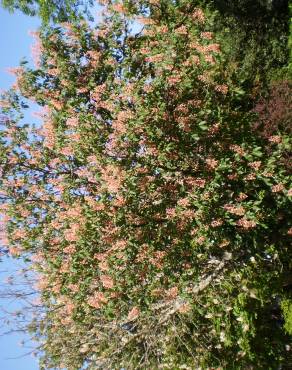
(14, 45)
(14, 42)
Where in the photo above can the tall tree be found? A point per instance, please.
(154, 203)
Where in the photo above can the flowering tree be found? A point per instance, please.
(154, 212)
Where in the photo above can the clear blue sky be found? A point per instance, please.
(14, 45)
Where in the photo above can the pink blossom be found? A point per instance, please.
(222, 89)
(133, 314)
(183, 202)
(103, 266)
(255, 165)
(198, 15)
(42, 283)
(155, 58)
(107, 281)
(112, 177)
(120, 123)
(199, 182)
(237, 149)
(56, 288)
(250, 177)
(100, 256)
(92, 159)
(275, 139)
(204, 78)
(37, 48)
(241, 197)
(207, 35)
(67, 151)
(268, 174)
(236, 210)
(97, 300)
(172, 293)
(182, 30)
(72, 122)
(144, 20)
(209, 59)
(277, 188)
(94, 55)
(184, 308)
(216, 223)
(232, 176)
(246, 224)
(19, 234)
(163, 29)
(70, 249)
(170, 212)
(215, 48)
(200, 240)
(120, 245)
(224, 243)
(38, 257)
(212, 163)
(74, 287)
(119, 8)
(16, 71)
(15, 251)
(71, 235)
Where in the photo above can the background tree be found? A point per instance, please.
(55, 10)
(152, 203)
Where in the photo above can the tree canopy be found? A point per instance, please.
(54, 10)
(154, 201)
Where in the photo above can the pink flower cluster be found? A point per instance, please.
(246, 224)
(235, 210)
(97, 300)
(107, 281)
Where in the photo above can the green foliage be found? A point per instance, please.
(286, 306)
(55, 10)
(254, 35)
